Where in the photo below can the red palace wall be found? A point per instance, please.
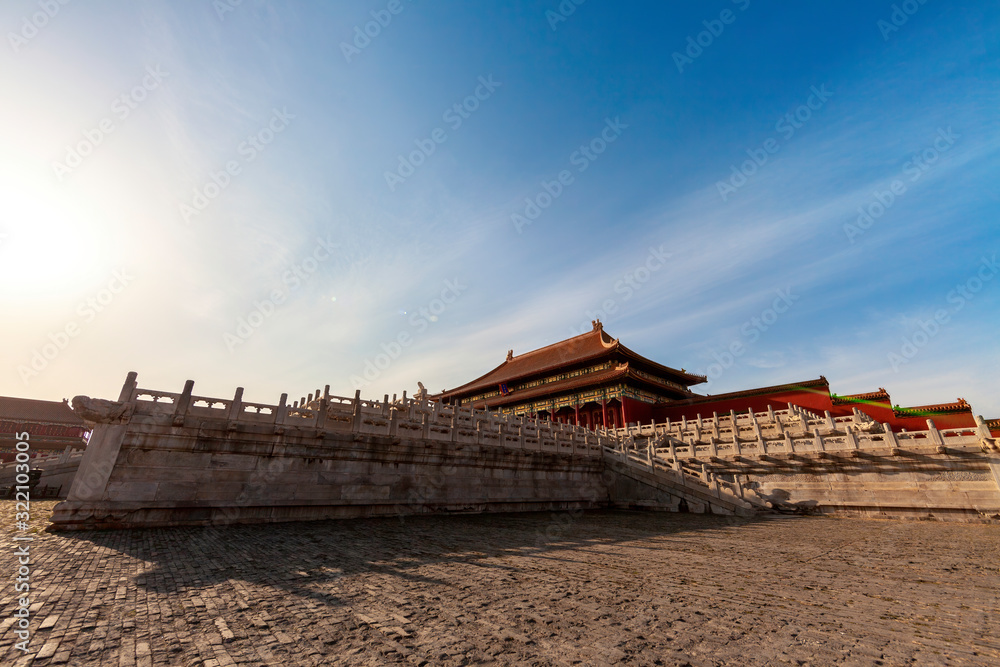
(637, 411)
(954, 420)
(816, 399)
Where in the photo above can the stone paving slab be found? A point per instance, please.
(591, 588)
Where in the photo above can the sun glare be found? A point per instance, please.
(46, 248)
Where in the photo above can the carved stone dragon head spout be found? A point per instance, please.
(99, 410)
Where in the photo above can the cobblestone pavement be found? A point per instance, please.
(527, 589)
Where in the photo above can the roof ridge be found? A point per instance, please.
(960, 404)
(746, 393)
(861, 398)
(567, 340)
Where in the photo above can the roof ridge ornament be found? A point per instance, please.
(597, 325)
(510, 355)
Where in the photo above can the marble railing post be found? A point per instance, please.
(760, 438)
(356, 421)
(935, 434)
(818, 439)
(851, 439)
(890, 437)
(280, 413)
(393, 423)
(713, 444)
(321, 414)
(982, 430)
(789, 443)
(183, 403)
(236, 408)
(127, 394)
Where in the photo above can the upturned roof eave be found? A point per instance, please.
(578, 384)
(609, 348)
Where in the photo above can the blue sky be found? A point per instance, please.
(260, 194)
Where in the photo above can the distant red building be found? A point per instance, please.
(594, 380)
(51, 425)
(814, 395)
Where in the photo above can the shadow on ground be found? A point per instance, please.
(301, 558)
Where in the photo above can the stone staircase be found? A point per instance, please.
(700, 490)
(849, 461)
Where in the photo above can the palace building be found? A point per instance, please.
(51, 425)
(590, 379)
(593, 380)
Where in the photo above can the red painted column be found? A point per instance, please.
(624, 414)
(577, 417)
(604, 412)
